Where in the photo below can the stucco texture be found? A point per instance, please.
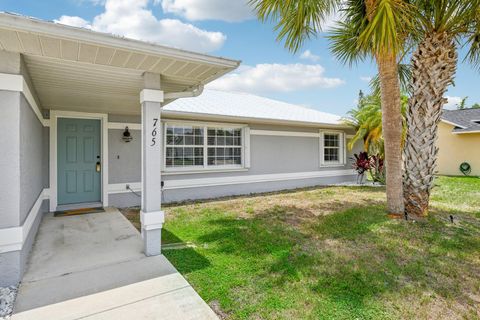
(455, 149)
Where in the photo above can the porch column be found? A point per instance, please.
(151, 216)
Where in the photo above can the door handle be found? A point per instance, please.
(97, 166)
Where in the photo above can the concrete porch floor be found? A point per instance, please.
(92, 267)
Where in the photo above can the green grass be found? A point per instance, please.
(331, 253)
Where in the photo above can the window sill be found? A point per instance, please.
(330, 165)
(200, 171)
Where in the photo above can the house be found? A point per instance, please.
(226, 143)
(459, 141)
(90, 119)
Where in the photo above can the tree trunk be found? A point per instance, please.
(392, 128)
(433, 68)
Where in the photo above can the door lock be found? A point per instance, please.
(97, 167)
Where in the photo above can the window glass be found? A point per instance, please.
(184, 146)
(187, 146)
(331, 145)
(224, 147)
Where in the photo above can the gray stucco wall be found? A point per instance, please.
(22, 168)
(180, 195)
(124, 159)
(9, 161)
(25, 170)
(268, 154)
(31, 158)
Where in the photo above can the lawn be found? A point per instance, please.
(331, 253)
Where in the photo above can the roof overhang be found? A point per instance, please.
(466, 132)
(82, 70)
(453, 123)
(224, 118)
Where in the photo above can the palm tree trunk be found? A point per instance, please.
(392, 130)
(392, 126)
(433, 69)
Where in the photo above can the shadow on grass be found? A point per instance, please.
(349, 259)
(187, 260)
(168, 237)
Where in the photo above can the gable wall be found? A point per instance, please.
(455, 149)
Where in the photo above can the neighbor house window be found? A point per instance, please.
(203, 146)
(331, 148)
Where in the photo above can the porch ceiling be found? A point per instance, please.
(81, 70)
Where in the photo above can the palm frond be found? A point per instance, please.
(367, 118)
(388, 27)
(296, 20)
(344, 43)
(473, 41)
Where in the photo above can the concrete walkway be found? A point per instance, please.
(92, 267)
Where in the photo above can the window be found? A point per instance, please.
(224, 146)
(332, 148)
(184, 146)
(203, 146)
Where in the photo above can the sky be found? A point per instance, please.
(228, 28)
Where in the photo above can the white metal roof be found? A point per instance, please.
(246, 106)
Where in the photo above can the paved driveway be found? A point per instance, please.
(92, 267)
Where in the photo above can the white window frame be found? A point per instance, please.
(341, 149)
(245, 147)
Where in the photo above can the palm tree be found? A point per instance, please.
(442, 24)
(371, 28)
(462, 104)
(366, 118)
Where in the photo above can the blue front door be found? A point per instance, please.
(79, 159)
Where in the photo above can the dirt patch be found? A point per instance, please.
(133, 215)
(215, 305)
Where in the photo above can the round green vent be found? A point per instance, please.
(465, 168)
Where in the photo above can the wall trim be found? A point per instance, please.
(54, 115)
(13, 239)
(16, 82)
(222, 181)
(257, 132)
(224, 170)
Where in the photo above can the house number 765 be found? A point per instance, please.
(154, 132)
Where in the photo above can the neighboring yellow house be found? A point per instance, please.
(459, 141)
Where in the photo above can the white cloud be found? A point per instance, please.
(453, 102)
(265, 78)
(308, 55)
(331, 21)
(366, 78)
(194, 10)
(132, 19)
(73, 21)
